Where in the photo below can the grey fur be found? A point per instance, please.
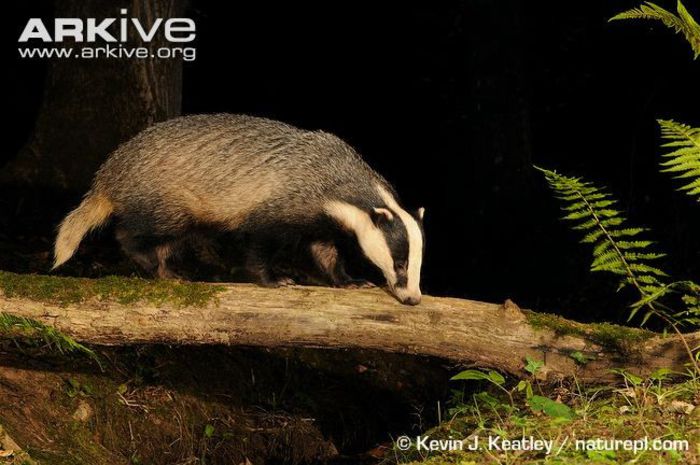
(229, 166)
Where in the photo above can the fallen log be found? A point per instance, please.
(124, 311)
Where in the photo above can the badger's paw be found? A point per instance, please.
(283, 282)
(279, 282)
(167, 273)
(357, 284)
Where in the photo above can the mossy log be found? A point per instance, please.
(124, 311)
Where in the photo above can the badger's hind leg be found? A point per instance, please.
(137, 250)
(150, 253)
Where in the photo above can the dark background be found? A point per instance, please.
(453, 102)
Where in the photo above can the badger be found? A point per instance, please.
(262, 179)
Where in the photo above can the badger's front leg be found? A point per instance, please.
(329, 262)
(258, 265)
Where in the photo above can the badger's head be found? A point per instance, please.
(391, 238)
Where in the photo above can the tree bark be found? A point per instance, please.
(461, 331)
(92, 105)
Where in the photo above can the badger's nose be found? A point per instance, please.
(411, 300)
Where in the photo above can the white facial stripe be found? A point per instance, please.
(370, 238)
(415, 240)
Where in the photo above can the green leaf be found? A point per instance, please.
(471, 375)
(660, 375)
(580, 357)
(487, 399)
(533, 366)
(684, 163)
(526, 386)
(208, 431)
(550, 407)
(496, 378)
(646, 269)
(577, 215)
(634, 380)
(682, 23)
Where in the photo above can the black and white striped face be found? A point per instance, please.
(392, 239)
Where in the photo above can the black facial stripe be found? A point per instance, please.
(397, 239)
(402, 280)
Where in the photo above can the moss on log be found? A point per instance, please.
(119, 289)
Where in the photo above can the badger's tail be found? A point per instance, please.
(91, 213)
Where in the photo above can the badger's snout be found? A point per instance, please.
(406, 297)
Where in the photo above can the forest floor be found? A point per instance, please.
(161, 405)
(582, 424)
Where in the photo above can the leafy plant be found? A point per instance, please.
(684, 161)
(618, 249)
(656, 391)
(491, 376)
(623, 250)
(18, 326)
(525, 385)
(533, 366)
(536, 402)
(682, 23)
(550, 407)
(580, 357)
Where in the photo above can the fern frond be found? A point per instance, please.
(19, 326)
(616, 247)
(691, 297)
(682, 23)
(628, 259)
(684, 161)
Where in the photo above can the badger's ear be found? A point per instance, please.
(420, 213)
(381, 215)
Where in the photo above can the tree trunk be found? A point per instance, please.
(92, 105)
(461, 331)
